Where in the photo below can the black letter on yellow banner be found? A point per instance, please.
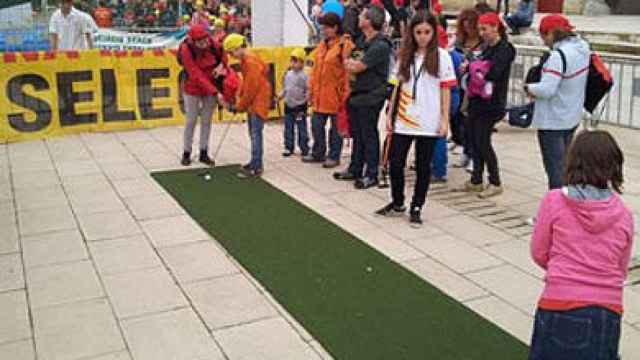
(110, 111)
(67, 98)
(146, 93)
(16, 95)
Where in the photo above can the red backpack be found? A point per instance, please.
(599, 81)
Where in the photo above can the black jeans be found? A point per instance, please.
(366, 140)
(400, 145)
(481, 130)
(553, 146)
(590, 333)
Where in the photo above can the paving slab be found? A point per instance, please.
(19, 350)
(197, 261)
(41, 221)
(123, 255)
(228, 301)
(53, 248)
(111, 225)
(143, 292)
(76, 331)
(14, 317)
(173, 231)
(170, 336)
(11, 272)
(271, 339)
(62, 284)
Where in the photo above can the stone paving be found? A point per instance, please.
(97, 261)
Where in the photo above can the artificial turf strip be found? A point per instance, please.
(356, 302)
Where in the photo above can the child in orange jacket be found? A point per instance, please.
(255, 98)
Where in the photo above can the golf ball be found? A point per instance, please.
(207, 177)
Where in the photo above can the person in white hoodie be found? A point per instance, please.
(559, 96)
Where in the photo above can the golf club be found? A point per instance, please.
(206, 173)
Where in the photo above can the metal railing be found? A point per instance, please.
(619, 108)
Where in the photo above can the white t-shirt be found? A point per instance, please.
(421, 116)
(71, 29)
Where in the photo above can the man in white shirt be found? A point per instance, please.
(70, 29)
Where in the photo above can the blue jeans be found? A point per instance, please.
(554, 145)
(366, 140)
(318, 124)
(590, 333)
(440, 159)
(296, 118)
(256, 124)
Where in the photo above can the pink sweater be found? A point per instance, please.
(584, 246)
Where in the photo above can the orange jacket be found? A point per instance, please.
(329, 82)
(255, 93)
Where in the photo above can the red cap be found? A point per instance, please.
(443, 37)
(555, 22)
(377, 3)
(491, 18)
(399, 2)
(198, 32)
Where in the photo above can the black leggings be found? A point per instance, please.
(481, 129)
(400, 145)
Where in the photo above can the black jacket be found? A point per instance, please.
(501, 56)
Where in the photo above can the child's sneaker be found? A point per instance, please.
(249, 173)
(391, 210)
(415, 221)
(287, 153)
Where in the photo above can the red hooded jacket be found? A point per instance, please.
(200, 79)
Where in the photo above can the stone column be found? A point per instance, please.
(278, 23)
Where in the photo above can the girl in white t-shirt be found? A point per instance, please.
(419, 111)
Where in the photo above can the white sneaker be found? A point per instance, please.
(470, 167)
(464, 161)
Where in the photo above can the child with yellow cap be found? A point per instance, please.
(295, 93)
(254, 98)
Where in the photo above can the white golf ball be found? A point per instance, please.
(207, 177)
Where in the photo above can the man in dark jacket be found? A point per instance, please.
(369, 69)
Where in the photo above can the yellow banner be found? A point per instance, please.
(44, 95)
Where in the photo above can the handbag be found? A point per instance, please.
(521, 116)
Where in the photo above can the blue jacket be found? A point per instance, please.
(525, 11)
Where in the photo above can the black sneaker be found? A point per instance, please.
(391, 210)
(246, 166)
(186, 159)
(205, 159)
(344, 176)
(365, 183)
(287, 153)
(414, 218)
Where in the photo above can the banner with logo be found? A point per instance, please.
(122, 40)
(44, 94)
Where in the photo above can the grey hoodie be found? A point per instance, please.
(560, 94)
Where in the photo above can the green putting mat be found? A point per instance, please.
(356, 302)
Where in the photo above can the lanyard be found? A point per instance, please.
(416, 77)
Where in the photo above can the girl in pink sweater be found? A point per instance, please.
(583, 238)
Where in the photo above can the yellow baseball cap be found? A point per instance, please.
(299, 53)
(218, 22)
(233, 42)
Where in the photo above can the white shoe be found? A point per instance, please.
(470, 167)
(464, 161)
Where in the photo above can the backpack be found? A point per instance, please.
(599, 81)
(215, 50)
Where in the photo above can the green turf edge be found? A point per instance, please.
(319, 273)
